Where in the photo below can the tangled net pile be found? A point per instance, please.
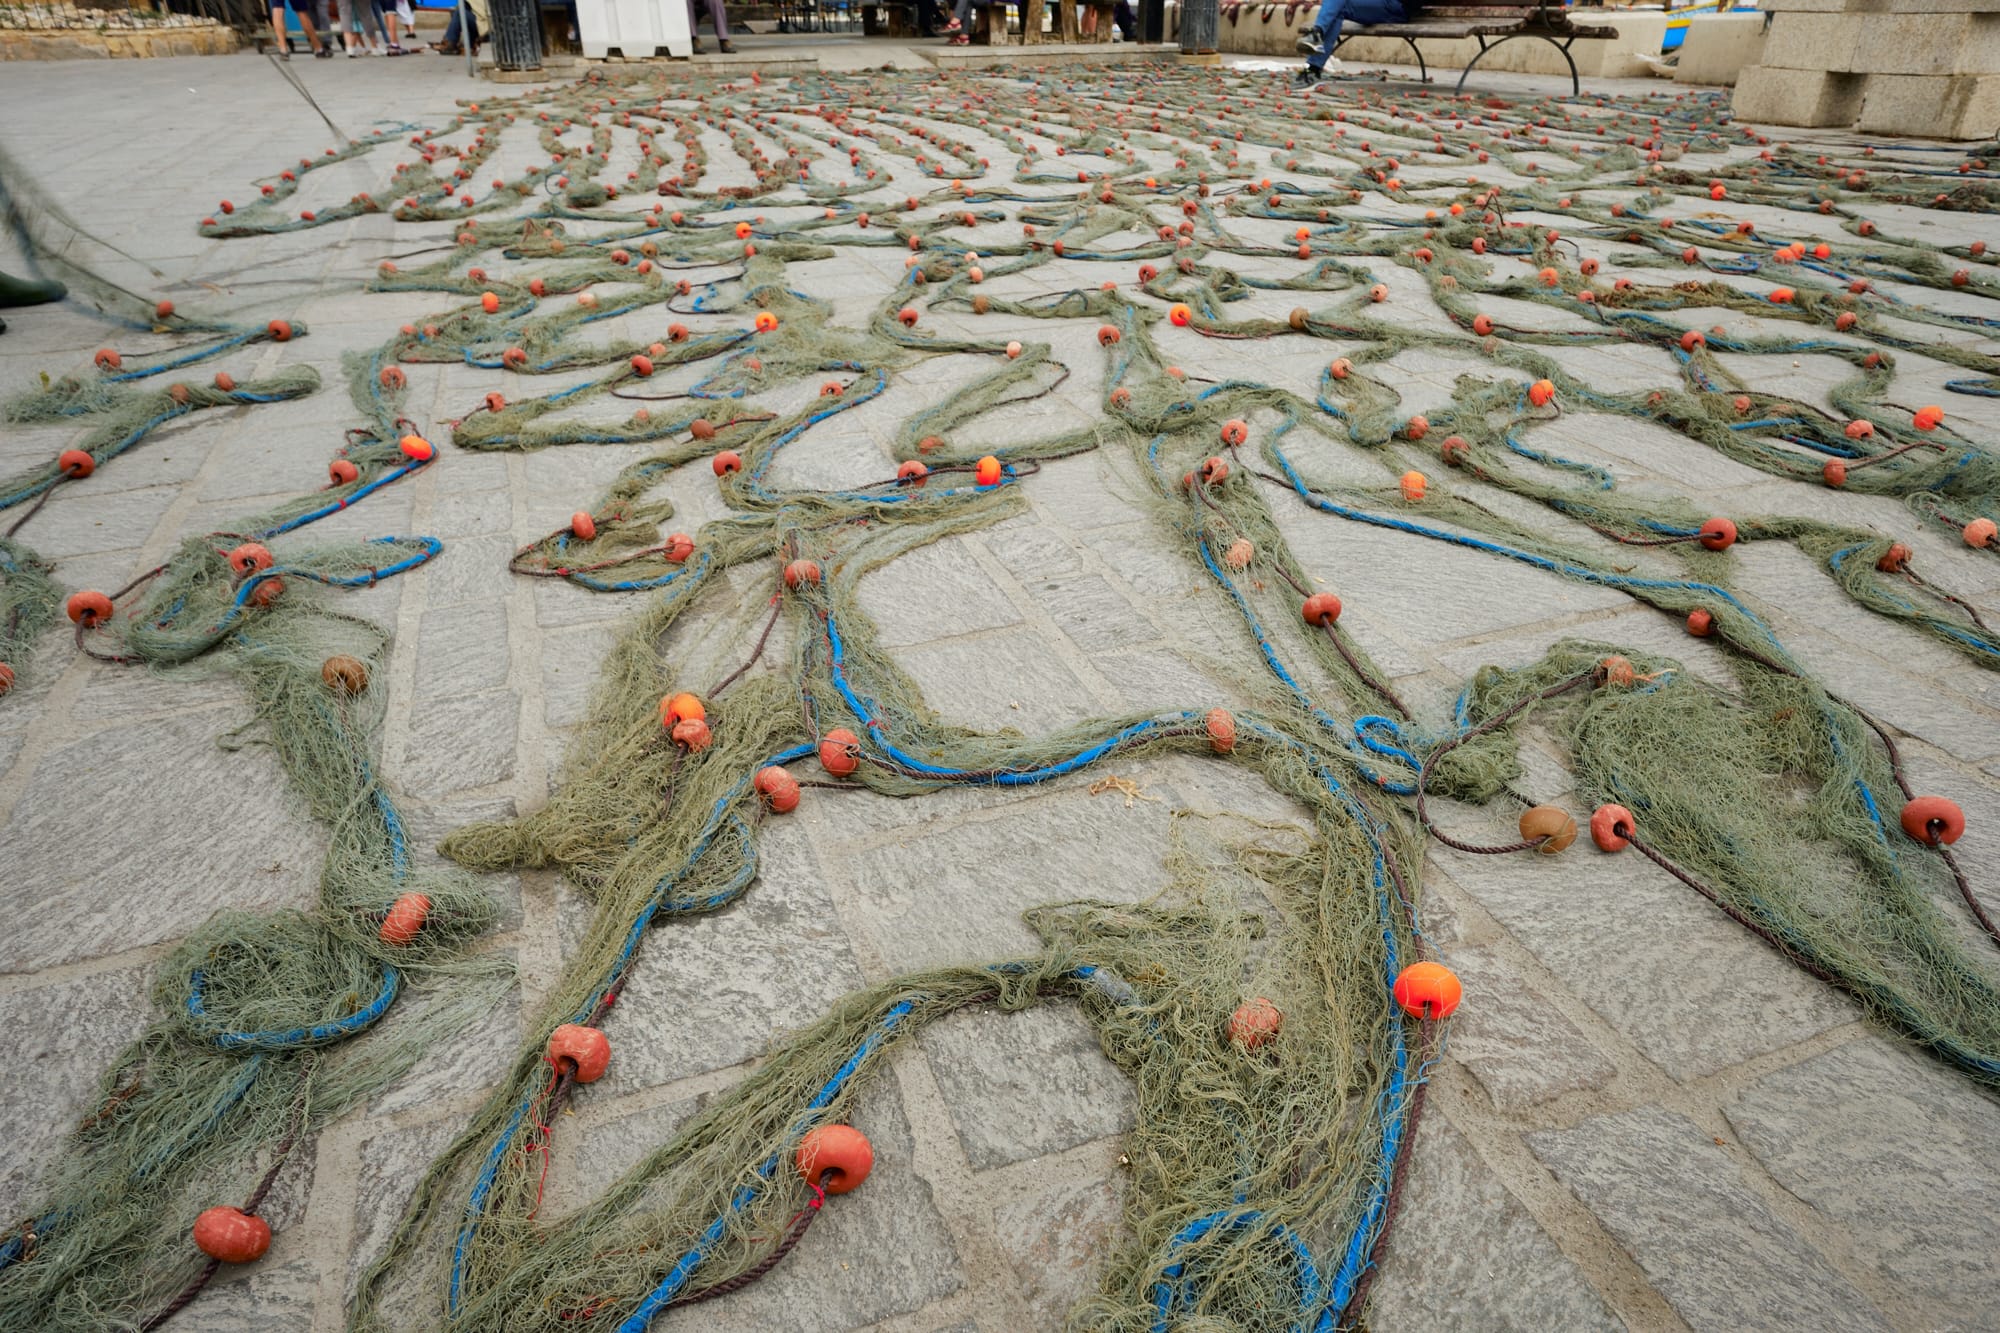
(1272, 1131)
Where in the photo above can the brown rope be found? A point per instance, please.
(1498, 719)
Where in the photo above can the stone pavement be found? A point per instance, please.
(1645, 1118)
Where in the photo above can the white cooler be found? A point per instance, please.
(635, 29)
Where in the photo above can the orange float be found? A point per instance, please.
(642, 366)
(405, 919)
(1428, 990)
(1107, 335)
(907, 316)
(343, 674)
(489, 302)
(1413, 484)
(1691, 340)
(702, 428)
(1221, 729)
(987, 471)
(1240, 553)
(778, 787)
(692, 735)
(585, 1050)
(1980, 532)
(1550, 824)
(1612, 827)
(1700, 623)
(1894, 558)
(1341, 368)
(677, 547)
(392, 377)
(343, 471)
(75, 464)
(1718, 534)
(1927, 418)
(224, 382)
(1322, 608)
(1933, 820)
(1616, 671)
(1834, 472)
(1541, 393)
(1235, 432)
(766, 322)
(1454, 450)
(108, 360)
(1417, 427)
(911, 472)
(249, 558)
(231, 1235)
(836, 1158)
(279, 330)
(1213, 471)
(800, 573)
(1255, 1023)
(6, 678)
(677, 708)
(1482, 325)
(840, 752)
(416, 447)
(267, 591)
(582, 526)
(1179, 315)
(88, 607)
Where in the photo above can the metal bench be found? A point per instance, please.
(1492, 24)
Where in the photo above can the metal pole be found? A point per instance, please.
(1200, 20)
(465, 38)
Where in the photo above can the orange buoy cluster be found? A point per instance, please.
(685, 721)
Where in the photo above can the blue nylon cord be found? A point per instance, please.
(286, 1039)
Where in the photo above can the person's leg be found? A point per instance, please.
(343, 12)
(719, 16)
(30, 291)
(694, 26)
(1127, 21)
(451, 34)
(961, 17)
(392, 19)
(278, 30)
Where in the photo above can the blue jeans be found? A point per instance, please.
(1333, 12)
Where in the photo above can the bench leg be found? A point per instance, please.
(1423, 74)
(1575, 84)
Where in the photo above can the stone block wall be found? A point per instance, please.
(1928, 68)
(1718, 48)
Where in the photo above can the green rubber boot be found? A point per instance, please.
(21, 291)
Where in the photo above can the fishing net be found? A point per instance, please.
(628, 301)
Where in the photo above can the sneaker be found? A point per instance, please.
(1306, 77)
(1308, 42)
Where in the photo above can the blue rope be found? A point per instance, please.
(297, 1038)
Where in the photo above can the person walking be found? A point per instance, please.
(313, 43)
(1318, 41)
(718, 20)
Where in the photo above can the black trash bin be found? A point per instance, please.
(517, 33)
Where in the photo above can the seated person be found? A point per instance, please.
(1318, 41)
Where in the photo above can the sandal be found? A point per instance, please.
(952, 27)
(959, 40)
